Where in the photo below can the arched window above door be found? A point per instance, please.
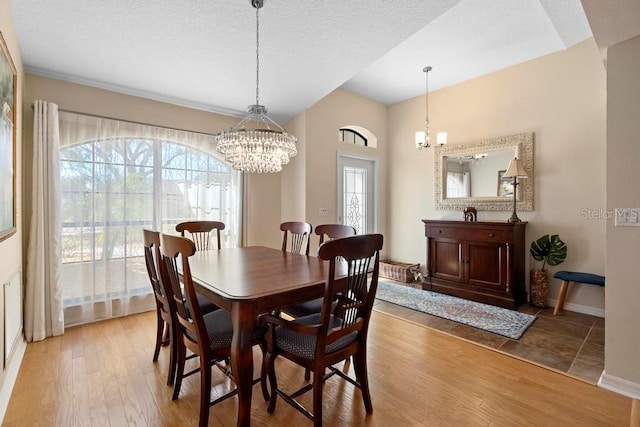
(357, 135)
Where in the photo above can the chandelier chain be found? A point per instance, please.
(257, 56)
(426, 97)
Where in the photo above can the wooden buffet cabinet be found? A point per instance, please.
(480, 261)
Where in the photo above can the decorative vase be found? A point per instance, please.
(539, 288)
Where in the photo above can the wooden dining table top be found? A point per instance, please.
(269, 277)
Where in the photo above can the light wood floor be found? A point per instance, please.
(102, 375)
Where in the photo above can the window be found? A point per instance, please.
(458, 184)
(357, 135)
(352, 137)
(118, 178)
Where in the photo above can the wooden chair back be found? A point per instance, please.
(151, 256)
(355, 302)
(191, 327)
(200, 232)
(334, 231)
(164, 312)
(298, 233)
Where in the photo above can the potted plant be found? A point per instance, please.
(550, 250)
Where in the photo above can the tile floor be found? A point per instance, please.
(570, 342)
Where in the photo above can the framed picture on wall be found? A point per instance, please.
(505, 185)
(8, 89)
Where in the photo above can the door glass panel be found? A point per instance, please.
(355, 198)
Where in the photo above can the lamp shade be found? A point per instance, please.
(515, 169)
(421, 139)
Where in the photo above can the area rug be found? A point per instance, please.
(501, 321)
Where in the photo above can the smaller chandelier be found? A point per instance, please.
(264, 148)
(423, 138)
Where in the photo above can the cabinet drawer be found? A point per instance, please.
(480, 234)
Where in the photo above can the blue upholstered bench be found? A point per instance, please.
(571, 276)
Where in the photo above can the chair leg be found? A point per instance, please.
(271, 371)
(318, 384)
(263, 376)
(345, 367)
(360, 366)
(205, 391)
(182, 354)
(160, 328)
(173, 354)
(561, 296)
(307, 374)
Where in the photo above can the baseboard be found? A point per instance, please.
(11, 376)
(578, 308)
(619, 385)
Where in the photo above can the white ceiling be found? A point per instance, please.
(202, 53)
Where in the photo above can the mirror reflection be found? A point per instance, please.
(470, 174)
(478, 175)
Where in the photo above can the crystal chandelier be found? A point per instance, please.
(261, 149)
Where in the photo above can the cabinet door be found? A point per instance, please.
(446, 259)
(486, 265)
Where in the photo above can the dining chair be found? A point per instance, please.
(200, 232)
(165, 321)
(330, 231)
(206, 335)
(298, 233)
(165, 313)
(319, 341)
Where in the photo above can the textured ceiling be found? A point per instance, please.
(202, 53)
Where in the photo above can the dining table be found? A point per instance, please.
(247, 282)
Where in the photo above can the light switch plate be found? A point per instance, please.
(627, 217)
(323, 212)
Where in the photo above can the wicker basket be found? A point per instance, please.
(399, 271)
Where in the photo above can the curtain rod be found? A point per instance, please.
(131, 121)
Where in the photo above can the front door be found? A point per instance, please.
(357, 193)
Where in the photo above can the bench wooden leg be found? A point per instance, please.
(635, 413)
(561, 296)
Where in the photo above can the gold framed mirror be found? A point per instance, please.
(469, 174)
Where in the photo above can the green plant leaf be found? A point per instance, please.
(540, 248)
(549, 249)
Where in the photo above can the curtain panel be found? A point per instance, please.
(117, 178)
(43, 313)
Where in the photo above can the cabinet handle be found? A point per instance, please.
(439, 231)
(491, 235)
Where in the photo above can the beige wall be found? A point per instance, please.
(561, 98)
(11, 248)
(322, 122)
(622, 345)
(263, 191)
(293, 177)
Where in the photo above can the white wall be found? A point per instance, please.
(561, 98)
(293, 177)
(622, 334)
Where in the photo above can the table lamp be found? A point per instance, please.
(515, 171)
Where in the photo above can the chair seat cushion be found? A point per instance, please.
(572, 276)
(304, 309)
(206, 306)
(304, 346)
(220, 329)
